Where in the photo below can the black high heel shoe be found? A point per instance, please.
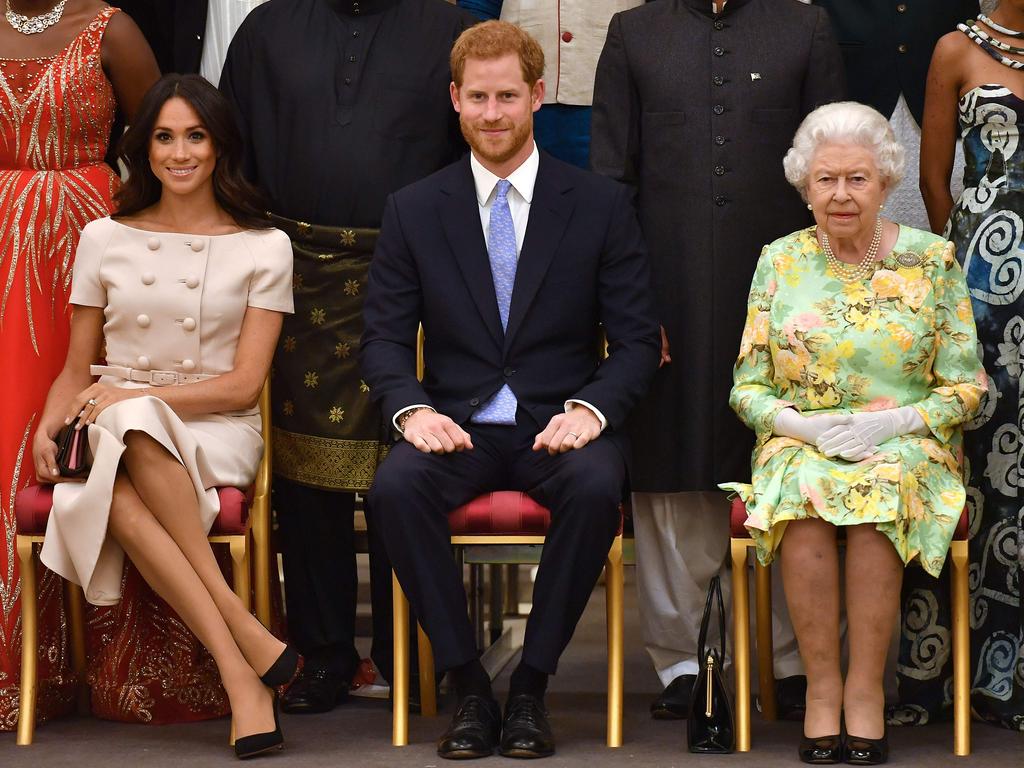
(260, 743)
(283, 669)
(859, 751)
(821, 750)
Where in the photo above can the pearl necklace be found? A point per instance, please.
(999, 27)
(842, 270)
(31, 25)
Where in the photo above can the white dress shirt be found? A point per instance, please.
(520, 196)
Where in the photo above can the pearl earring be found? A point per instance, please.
(810, 207)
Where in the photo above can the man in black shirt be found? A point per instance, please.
(341, 102)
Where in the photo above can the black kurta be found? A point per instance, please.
(696, 111)
(340, 104)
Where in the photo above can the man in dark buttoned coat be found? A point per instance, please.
(695, 107)
(513, 262)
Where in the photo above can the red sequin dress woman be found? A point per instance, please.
(56, 114)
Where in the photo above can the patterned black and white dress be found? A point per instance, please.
(987, 226)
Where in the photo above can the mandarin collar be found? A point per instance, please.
(704, 7)
(360, 7)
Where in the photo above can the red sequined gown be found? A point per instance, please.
(55, 121)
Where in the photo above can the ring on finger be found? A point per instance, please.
(91, 401)
(574, 435)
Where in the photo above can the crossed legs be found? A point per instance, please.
(810, 568)
(154, 516)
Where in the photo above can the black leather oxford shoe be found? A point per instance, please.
(315, 690)
(674, 702)
(473, 731)
(525, 731)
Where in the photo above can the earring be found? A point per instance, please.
(810, 207)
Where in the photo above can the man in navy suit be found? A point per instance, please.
(513, 262)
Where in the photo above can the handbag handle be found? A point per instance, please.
(714, 593)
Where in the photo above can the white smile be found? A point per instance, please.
(181, 171)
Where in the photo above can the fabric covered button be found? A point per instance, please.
(197, 245)
(153, 243)
(142, 362)
(188, 365)
(192, 281)
(567, 37)
(148, 278)
(189, 324)
(143, 321)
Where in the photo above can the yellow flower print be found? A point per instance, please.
(336, 414)
(916, 292)
(856, 293)
(828, 397)
(887, 284)
(953, 497)
(964, 313)
(888, 472)
(948, 255)
(792, 362)
(901, 335)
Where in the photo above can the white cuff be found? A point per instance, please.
(394, 419)
(600, 416)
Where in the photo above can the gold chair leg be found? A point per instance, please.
(741, 641)
(961, 651)
(73, 598)
(29, 641)
(261, 557)
(613, 616)
(425, 654)
(240, 569)
(400, 684)
(765, 643)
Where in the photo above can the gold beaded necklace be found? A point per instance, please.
(842, 270)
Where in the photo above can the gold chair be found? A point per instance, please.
(740, 543)
(232, 527)
(512, 520)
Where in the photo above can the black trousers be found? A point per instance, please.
(320, 580)
(413, 493)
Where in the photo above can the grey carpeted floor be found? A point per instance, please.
(358, 733)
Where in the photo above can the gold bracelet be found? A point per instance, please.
(405, 418)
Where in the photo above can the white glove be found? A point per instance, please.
(868, 430)
(790, 423)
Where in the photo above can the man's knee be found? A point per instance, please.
(404, 473)
(594, 489)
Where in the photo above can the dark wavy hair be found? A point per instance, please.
(233, 192)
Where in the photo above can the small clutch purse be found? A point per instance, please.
(73, 451)
(710, 727)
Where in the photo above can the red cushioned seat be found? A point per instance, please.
(738, 516)
(501, 512)
(32, 509)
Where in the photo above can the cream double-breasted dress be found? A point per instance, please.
(172, 302)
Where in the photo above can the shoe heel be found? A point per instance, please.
(259, 743)
(283, 669)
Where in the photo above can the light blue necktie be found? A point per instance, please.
(501, 250)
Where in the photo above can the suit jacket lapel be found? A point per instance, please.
(550, 210)
(460, 216)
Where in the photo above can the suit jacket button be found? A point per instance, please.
(475, 402)
(508, 372)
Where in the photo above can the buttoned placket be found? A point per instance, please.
(718, 89)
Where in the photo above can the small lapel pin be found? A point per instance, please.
(755, 75)
(908, 259)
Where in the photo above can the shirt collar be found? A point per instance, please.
(523, 178)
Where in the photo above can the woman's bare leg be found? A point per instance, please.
(810, 574)
(165, 488)
(166, 570)
(874, 573)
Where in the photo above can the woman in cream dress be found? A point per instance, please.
(187, 325)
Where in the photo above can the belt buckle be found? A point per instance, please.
(162, 378)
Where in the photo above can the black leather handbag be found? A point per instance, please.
(710, 727)
(73, 451)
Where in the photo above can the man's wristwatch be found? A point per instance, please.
(405, 417)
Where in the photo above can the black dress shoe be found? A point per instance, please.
(791, 697)
(525, 732)
(282, 670)
(315, 690)
(821, 750)
(260, 743)
(858, 751)
(473, 731)
(674, 702)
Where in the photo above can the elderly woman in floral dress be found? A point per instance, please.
(857, 365)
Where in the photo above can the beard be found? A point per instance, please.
(491, 151)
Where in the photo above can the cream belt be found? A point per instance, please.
(153, 378)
